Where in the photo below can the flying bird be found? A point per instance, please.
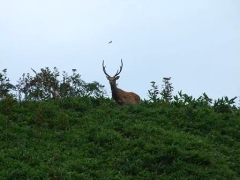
(110, 42)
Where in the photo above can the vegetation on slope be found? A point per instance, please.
(88, 137)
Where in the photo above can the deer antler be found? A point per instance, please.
(118, 72)
(104, 70)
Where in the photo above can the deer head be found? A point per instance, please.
(113, 79)
(121, 97)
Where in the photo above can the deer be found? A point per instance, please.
(120, 96)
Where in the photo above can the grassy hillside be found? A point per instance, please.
(91, 138)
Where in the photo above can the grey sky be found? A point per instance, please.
(197, 43)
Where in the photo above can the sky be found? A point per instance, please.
(196, 43)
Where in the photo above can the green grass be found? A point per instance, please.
(89, 138)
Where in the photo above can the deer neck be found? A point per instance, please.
(115, 92)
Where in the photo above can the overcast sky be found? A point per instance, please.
(197, 43)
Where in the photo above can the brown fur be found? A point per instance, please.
(120, 96)
(126, 98)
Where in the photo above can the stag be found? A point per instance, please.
(120, 96)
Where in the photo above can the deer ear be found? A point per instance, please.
(117, 77)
